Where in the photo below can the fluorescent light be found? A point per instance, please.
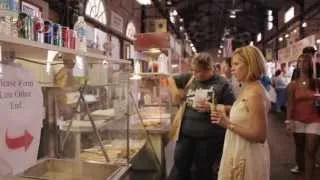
(181, 28)
(169, 2)
(219, 51)
(280, 39)
(181, 20)
(174, 12)
(289, 14)
(232, 15)
(270, 18)
(144, 2)
(270, 25)
(174, 65)
(286, 36)
(194, 49)
(172, 19)
(318, 41)
(270, 12)
(221, 46)
(259, 37)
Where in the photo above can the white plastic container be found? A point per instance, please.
(81, 28)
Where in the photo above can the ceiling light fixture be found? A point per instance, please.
(169, 3)
(280, 39)
(318, 41)
(232, 15)
(181, 20)
(175, 12)
(259, 37)
(172, 19)
(144, 2)
(304, 24)
(221, 46)
(219, 51)
(286, 36)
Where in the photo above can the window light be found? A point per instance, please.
(144, 2)
(289, 14)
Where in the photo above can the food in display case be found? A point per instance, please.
(116, 150)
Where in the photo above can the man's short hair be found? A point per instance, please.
(203, 60)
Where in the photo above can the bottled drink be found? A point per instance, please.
(214, 102)
(47, 32)
(14, 5)
(4, 4)
(38, 28)
(80, 27)
(22, 25)
(56, 35)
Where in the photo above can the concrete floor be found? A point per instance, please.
(282, 154)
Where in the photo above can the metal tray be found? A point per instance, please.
(56, 169)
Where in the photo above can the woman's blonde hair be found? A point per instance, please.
(203, 60)
(254, 59)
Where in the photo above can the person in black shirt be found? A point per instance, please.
(200, 142)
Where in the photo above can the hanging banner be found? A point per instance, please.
(21, 109)
(152, 40)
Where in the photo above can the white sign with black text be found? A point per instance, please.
(116, 22)
(21, 109)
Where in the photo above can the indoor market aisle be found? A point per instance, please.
(282, 152)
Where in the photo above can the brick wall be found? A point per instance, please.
(129, 10)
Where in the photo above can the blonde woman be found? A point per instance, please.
(246, 152)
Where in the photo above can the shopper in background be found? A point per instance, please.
(302, 117)
(246, 151)
(200, 142)
(307, 50)
(226, 73)
(280, 87)
(66, 82)
(217, 68)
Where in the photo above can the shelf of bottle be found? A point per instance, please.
(39, 51)
(4, 12)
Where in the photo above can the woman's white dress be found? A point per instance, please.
(242, 159)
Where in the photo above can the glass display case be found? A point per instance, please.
(86, 112)
(154, 102)
(99, 129)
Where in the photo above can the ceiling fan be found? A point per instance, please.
(233, 12)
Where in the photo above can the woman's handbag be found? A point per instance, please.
(176, 124)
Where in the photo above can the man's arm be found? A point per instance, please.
(176, 84)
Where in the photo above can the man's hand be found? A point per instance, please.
(202, 106)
